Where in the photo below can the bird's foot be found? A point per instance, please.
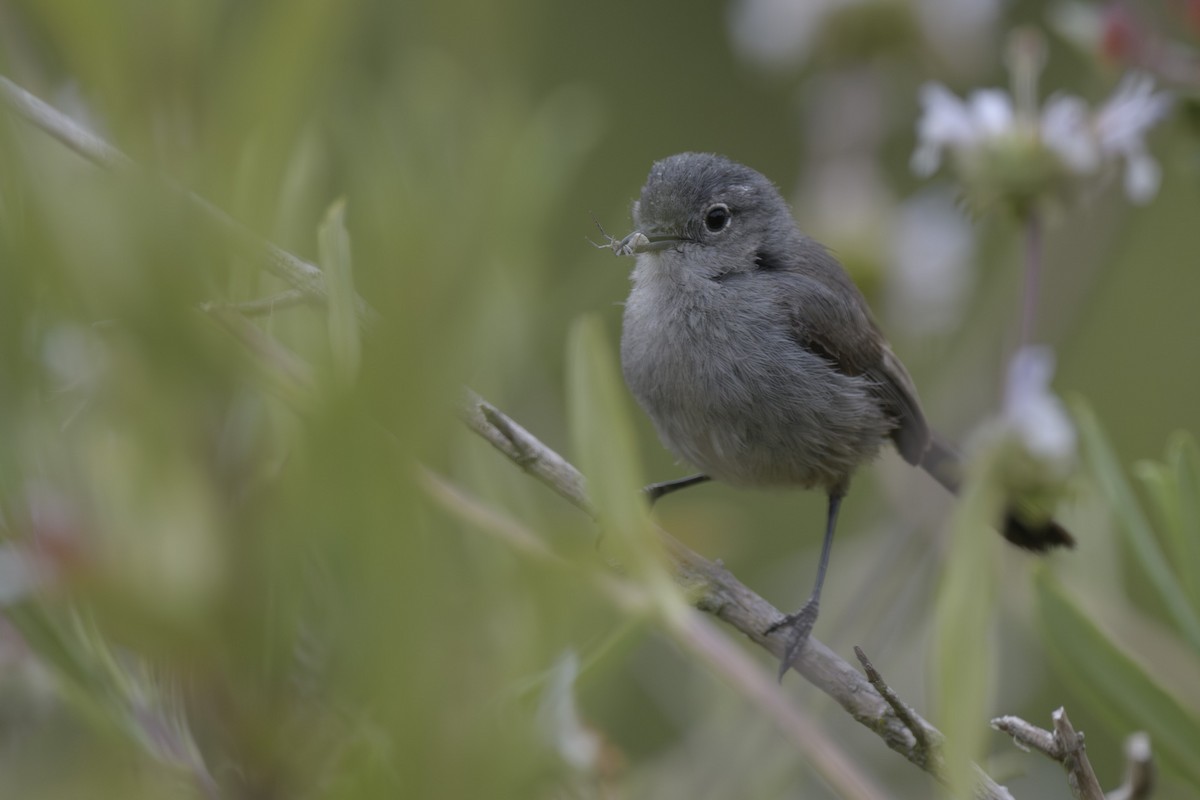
(797, 626)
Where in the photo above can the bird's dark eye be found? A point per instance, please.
(718, 217)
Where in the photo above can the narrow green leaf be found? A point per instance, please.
(1107, 472)
(1116, 687)
(963, 652)
(46, 638)
(1158, 481)
(604, 446)
(1183, 457)
(333, 245)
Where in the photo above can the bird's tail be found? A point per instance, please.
(943, 462)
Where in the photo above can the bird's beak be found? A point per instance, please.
(639, 242)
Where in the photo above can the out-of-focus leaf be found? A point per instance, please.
(46, 637)
(1159, 483)
(1114, 685)
(334, 244)
(1162, 490)
(603, 442)
(1174, 487)
(1107, 472)
(963, 656)
(1184, 459)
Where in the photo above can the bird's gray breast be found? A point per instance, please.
(730, 390)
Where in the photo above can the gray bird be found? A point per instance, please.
(757, 358)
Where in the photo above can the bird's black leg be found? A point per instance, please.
(800, 624)
(657, 490)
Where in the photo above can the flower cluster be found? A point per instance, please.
(1025, 156)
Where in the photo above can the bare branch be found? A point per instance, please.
(928, 737)
(526, 450)
(63, 128)
(1027, 736)
(1080, 776)
(715, 590)
(1064, 745)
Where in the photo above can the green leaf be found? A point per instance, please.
(1146, 548)
(1183, 457)
(604, 446)
(1158, 481)
(1115, 686)
(45, 636)
(963, 652)
(333, 244)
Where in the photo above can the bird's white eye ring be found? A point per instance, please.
(717, 218)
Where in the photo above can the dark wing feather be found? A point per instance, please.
(836, 324)
(912, 432)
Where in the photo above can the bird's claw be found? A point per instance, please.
(798, 627)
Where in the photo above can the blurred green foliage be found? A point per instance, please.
(1114, 677)
(246, 591)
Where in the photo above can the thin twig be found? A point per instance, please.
(299, 273)
(715, 590)
(926, 735)
(1027, 736)
(1080, 776)
(63, 128)
(1063, 745)
(525, 450)
(261, 306)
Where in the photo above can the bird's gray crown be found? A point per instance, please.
(679, 189)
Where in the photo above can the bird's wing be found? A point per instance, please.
(912, 433)
(834, 322)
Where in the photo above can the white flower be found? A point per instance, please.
(1065, 130)
(948, 123)
(1034, 415)
(1023, 154)
(1121, 125)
